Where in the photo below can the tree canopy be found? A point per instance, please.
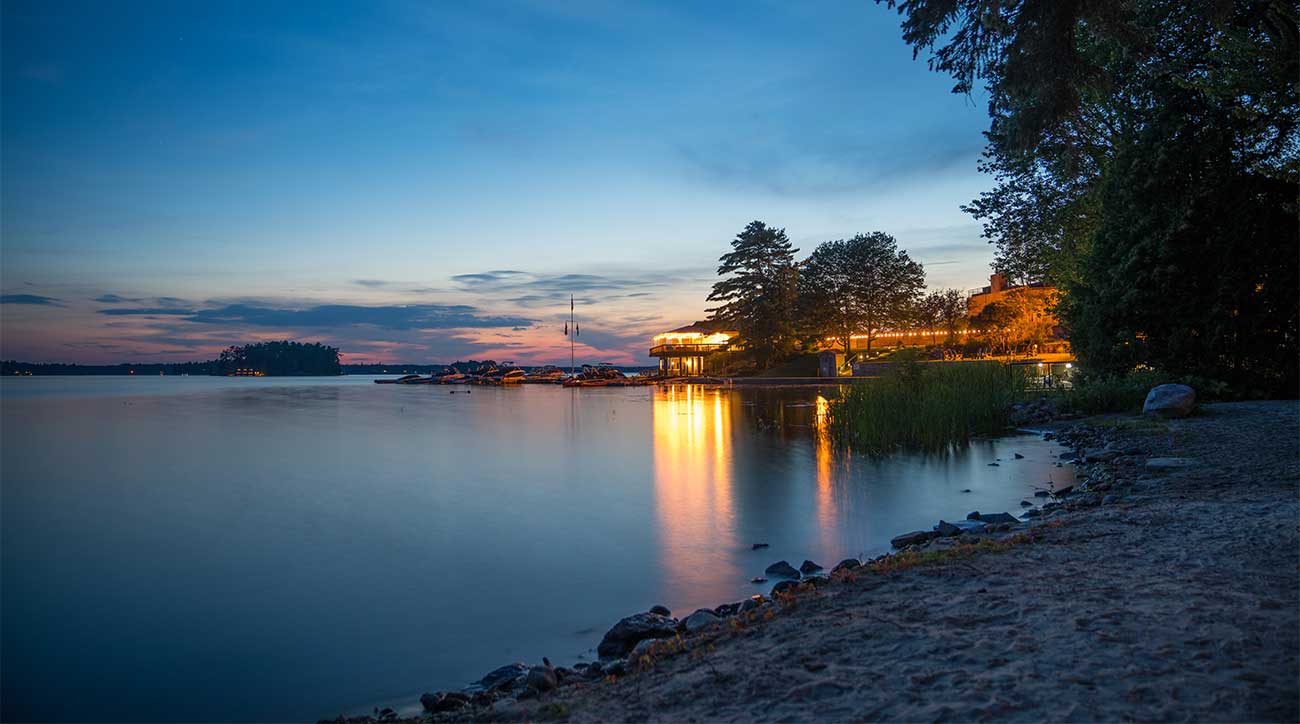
(857, 285)
(1146, 158)
(282, 358)
(757, 290)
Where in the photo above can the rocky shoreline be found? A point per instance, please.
(650, 661)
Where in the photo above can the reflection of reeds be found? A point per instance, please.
(925, 406)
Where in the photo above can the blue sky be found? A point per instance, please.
(423, 181)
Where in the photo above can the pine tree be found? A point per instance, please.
(757, 291)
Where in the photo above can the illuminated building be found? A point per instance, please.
(686, 350)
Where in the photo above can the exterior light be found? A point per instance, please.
(1069, 365)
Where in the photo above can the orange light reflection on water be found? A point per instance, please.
(693, 482)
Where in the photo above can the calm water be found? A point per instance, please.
(255, 549)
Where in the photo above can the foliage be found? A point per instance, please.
(1101, 394)
(1021, 317)
(1145, 155)
(804, 365)
(926, 406)
(857, 285)
(282, 358)
(757, 291)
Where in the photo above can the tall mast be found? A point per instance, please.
(573, 332)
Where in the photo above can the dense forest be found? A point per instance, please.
(281, 359)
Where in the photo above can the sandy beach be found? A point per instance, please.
(1165, 587)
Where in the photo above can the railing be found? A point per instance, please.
(684, 349)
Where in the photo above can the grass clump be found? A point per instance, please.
(926, 406)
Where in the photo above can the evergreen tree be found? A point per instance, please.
(757, 291)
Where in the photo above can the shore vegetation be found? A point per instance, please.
(921, 406)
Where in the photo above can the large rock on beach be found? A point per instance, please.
(907, 539)
(1170, 401)
(782, 569)
(970, 526)
(700, 620)
(543, 678)
(999, 518)
(809, 567)
(502, 677)
(783, 586)
(634, 629)
(945, 529)
(847, 564)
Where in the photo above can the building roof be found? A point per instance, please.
(701, 327)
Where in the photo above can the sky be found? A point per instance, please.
(425, 181)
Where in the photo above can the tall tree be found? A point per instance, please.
(1146, 158)
(858, 286)
(757, 291)
(952, 312)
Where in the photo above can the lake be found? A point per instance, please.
(188, 548)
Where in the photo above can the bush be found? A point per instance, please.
(1096, 395)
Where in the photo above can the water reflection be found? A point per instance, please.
(305, 546)
(693, 481)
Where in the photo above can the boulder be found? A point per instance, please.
(629, 632)
(973, 515)
(700, 620)
(1019, 456)
(752, 603)
(782, 569)
(430, 701)
(783, 586)
(641, 649)
(1170, 401)
(502, 677)
(1026, 504)
(970, 526)
(1067, 456)
(945, 529)
(847, 564)
(543, 678)
(758, 546)
(661, 610)
(907, 539)
(999, 518)
(809, 567)
(729, 609)
(1064, 491)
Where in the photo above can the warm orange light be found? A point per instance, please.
(692, 338)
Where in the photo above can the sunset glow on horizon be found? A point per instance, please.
(423, 184)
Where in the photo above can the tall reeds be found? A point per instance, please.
(925, 406)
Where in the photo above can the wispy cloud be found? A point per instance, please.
(145, 312)
(33, 299)
(413, 316)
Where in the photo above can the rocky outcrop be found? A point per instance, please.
(782, 569)
(907, 539)
(700, 620)
(634, 629)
